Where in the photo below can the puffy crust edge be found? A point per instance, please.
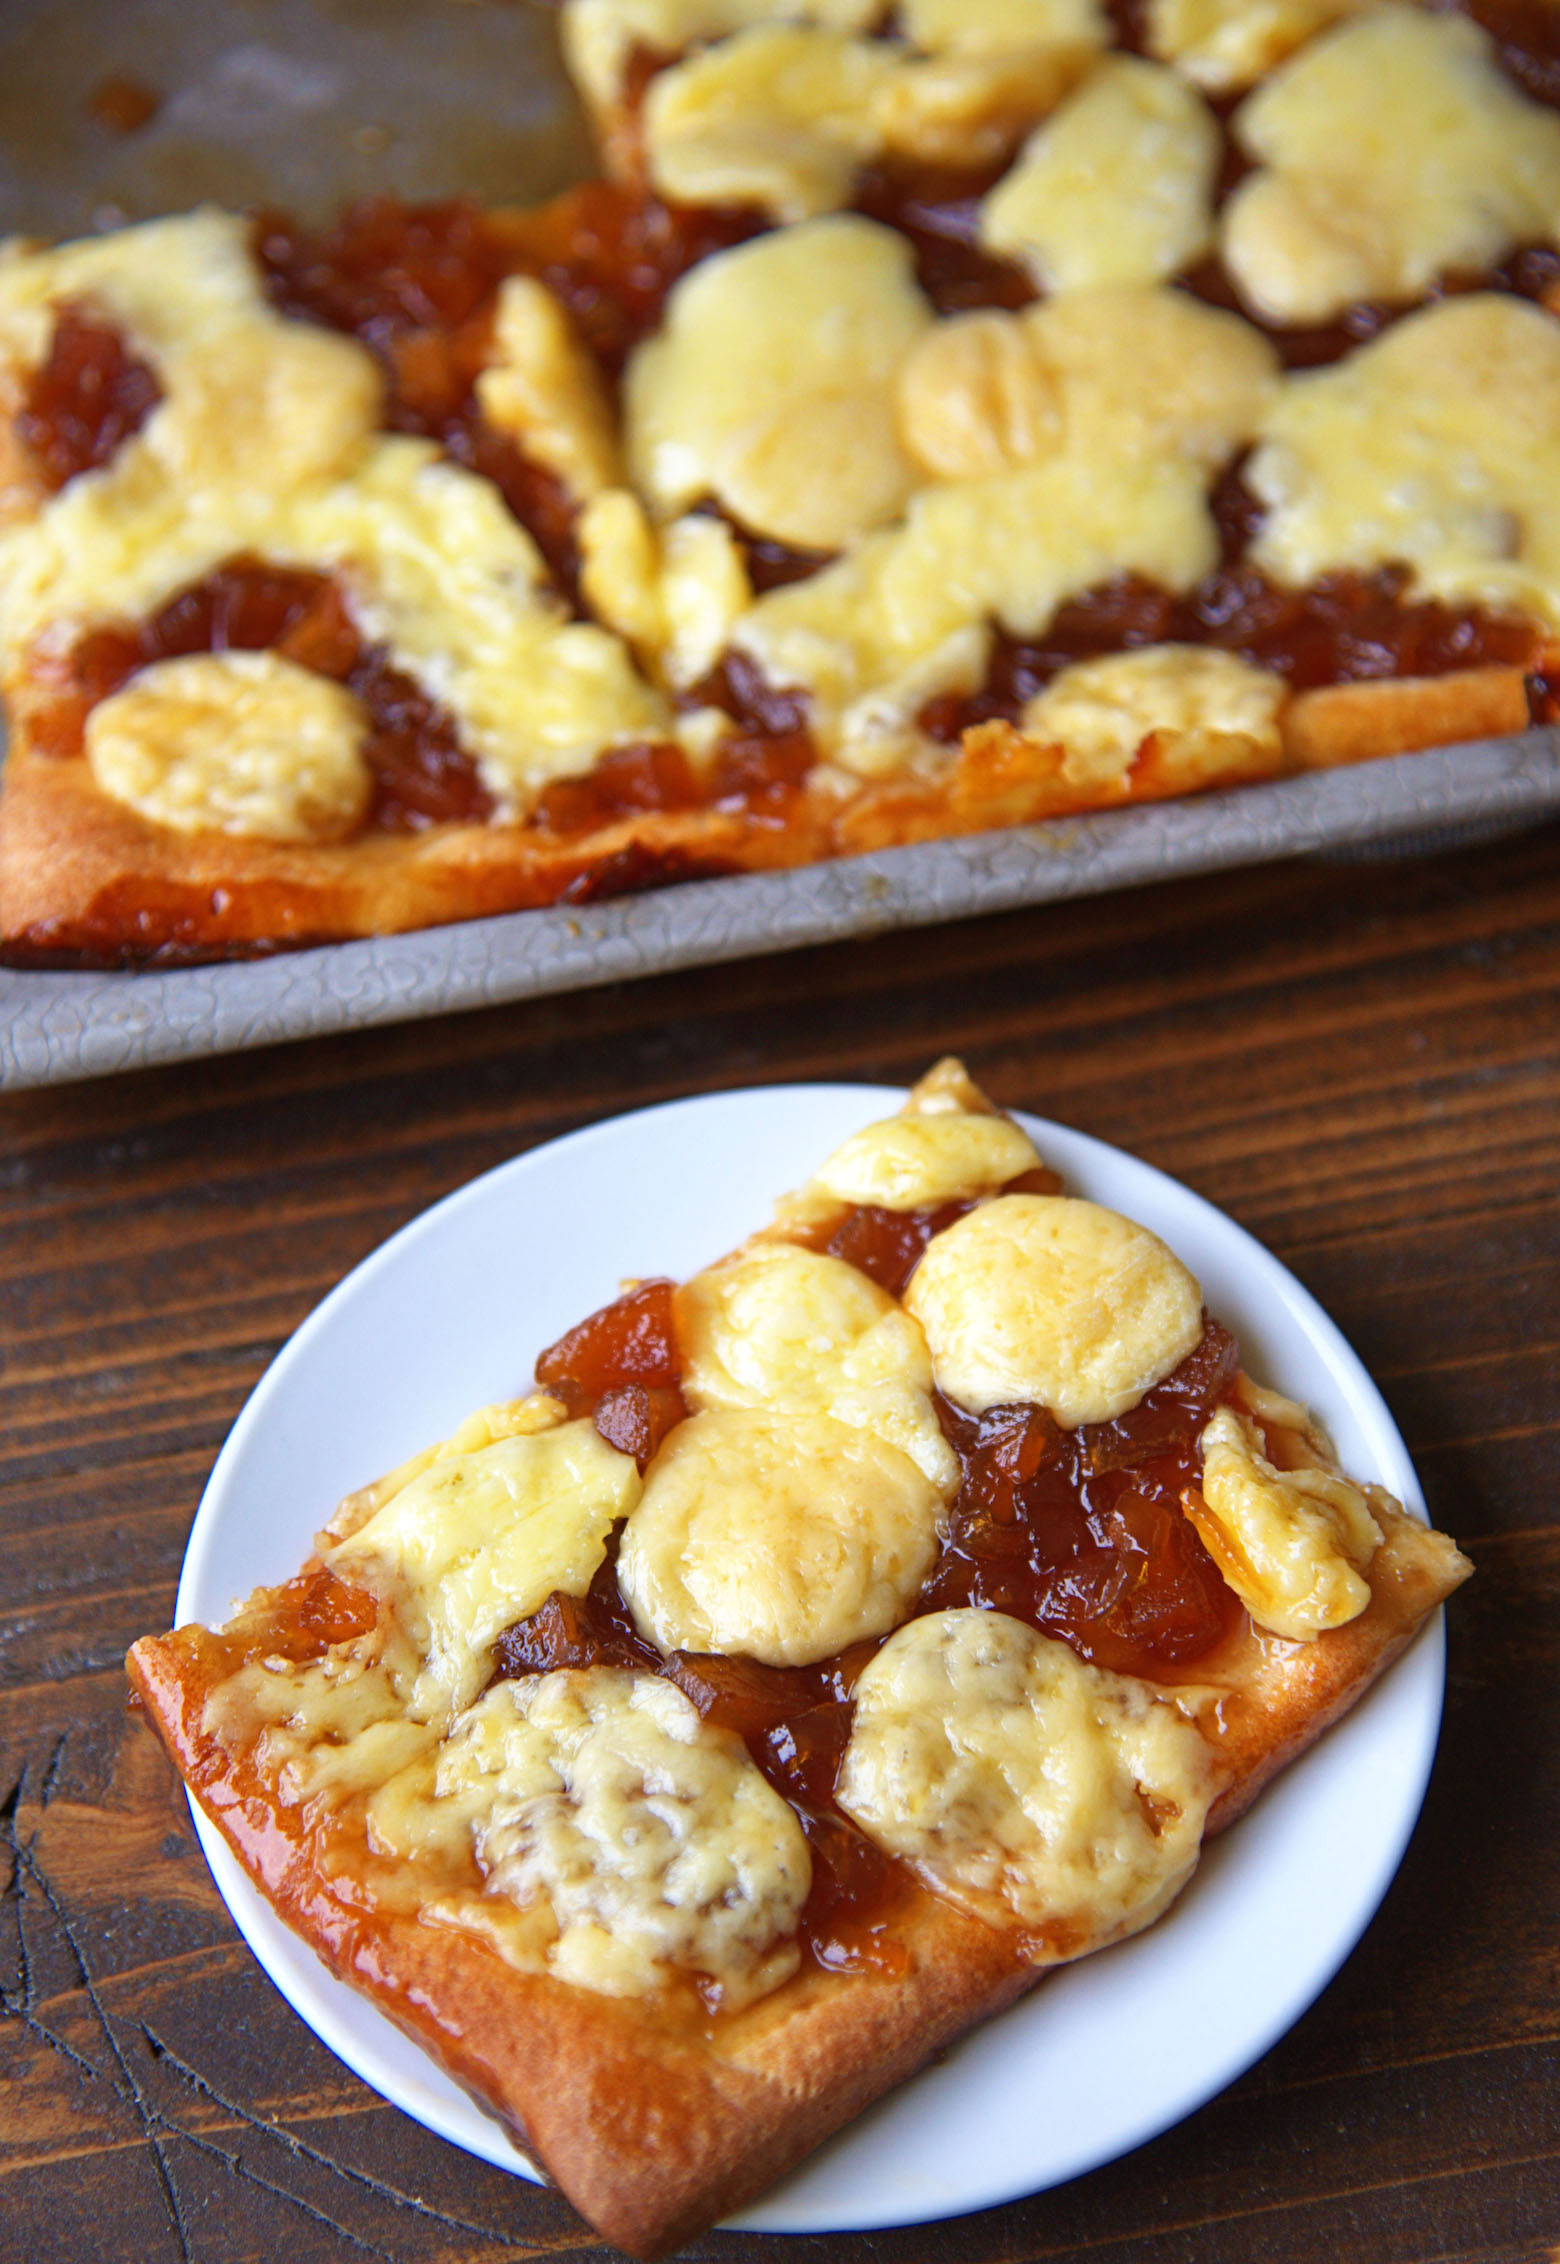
(84, 881)
(650, 2131)
(655, 2132)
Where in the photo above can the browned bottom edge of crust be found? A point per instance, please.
(654, 2134)
(651, 2133)
(87, 882)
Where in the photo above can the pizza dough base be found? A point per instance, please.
(655, 2131)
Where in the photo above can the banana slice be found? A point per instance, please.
(908, 1163)
(1009, 1772)
(781, 1536)
(1293, 1544)
(1046, 1298)
(787, 1328)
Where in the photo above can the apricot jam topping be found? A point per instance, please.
(88, 395)
(422, 774)
(886, 1245)
(1081, 1534)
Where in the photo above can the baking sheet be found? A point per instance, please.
(55, 1027)
(310, 102)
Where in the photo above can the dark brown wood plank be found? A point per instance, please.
(1361, 1064)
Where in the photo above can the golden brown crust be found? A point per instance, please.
(82, 876)
(656, 2130)
(652, 2131)
(1287, 1694)
(1354, 723)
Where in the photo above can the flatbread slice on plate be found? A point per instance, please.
(829, 1647)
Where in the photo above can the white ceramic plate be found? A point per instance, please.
(452, 1312)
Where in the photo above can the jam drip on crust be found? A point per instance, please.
(88, 395)
(422, 774)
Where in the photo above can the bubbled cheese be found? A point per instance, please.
(1024, 1783)
(477, 1541)
(545, 390)
(247, 395)
(238, 743)
(769, 384)
(792, 1330)
(1293, 1544)
(1389, 151)
(1046, 1298)
(600, 36)
(784, 1536)
(875, 635)
(1115, 187)
(1437, 445)
(1124, 371)
(912, 1162)
(650, 1835)
(1102, 710)
(1223, 44)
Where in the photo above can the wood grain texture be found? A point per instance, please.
(1360, 1063)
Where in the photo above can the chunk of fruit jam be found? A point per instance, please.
(89, 394)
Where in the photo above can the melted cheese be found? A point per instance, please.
(545, 389)
(782, 1536)
(600, 36)
(433, 565)
(1293, 1544)
(780, 116)
(1103, 710)
(247, 396)
(1046, 1298)
(1124, 371)
(904, 616)
(675, 592)
(264, 443)
(1224, 44)
(1117, 187)
(239, 743)
(1022, 1782)
(324, 1727)
(650, 1836)
(973, 105)
(986, 27)
(1438, 445)
(913, 1162)
(1364, 198)
(477, 1541)
(437, 569)
(794, 1332)
(769, 384)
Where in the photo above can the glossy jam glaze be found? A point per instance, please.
(1081, 1534)
(422, 774)
(88, 395)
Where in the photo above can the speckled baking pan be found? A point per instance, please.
(114, 110)
(55, 1027)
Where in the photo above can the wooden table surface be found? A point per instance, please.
(1360, 1063)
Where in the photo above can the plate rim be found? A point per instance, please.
(276, 1948)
